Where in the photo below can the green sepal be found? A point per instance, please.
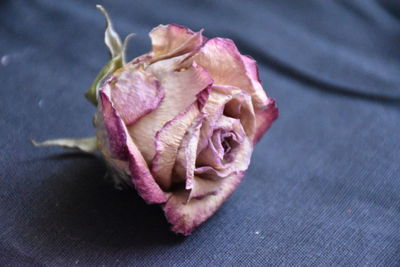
(88, 145)
(109, 68)
(117, 53)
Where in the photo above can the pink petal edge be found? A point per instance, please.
(167, 145)
(173, 40)
(265, 118)
(185, 217)
(227, 66)
(124, 149)
(133, 85)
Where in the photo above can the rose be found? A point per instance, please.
(178, 123)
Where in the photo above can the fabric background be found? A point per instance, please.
(323, 187)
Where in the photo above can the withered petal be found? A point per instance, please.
(185, 216)
(134, 93)
(186, 158)
(182, 89)
(265, 118)
(167, 142)
(173, 40)
(227, 66)
(123, 148)
(240, 162)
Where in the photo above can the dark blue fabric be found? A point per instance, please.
(323, 187)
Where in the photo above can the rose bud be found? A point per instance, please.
(180, 122)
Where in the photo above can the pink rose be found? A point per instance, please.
(179, 123)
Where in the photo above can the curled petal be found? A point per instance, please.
(240, 162)
(185, 215)
(201, 187)
(265, 118)
(214, 154)
(122, 148)
(134, 93)
(167, 142)
(181, 90)
(110, 123)
(173, 40)
(251, 69)
(186, 157)
(228, 67)
(228, 124)
(210, 156)
(231, 102)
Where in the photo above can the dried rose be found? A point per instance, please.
(179, 123)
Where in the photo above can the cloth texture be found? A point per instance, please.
(323, 188)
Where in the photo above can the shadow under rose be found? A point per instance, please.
(78, 207)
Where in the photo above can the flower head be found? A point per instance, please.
(180, 122)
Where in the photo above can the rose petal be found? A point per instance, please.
(134, 93)
(213, 154)
(181, 91)
(210, 156)
(186, 163)
(187, 153)
(185, 215)
(201, 187)
(251, 68)
(228, 67)
(167, 141)
(240, 162)
(233, 125)
(221, 99)
(174, 40)
(265, 118)
(123, 148)
(115, 139)
(245, 112)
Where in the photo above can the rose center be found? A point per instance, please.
(228, 143)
